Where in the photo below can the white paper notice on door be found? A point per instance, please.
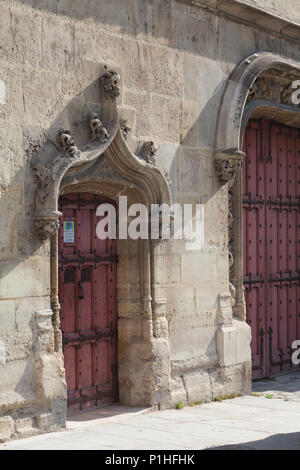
(69, 231)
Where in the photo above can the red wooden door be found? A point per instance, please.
(271, 202)
(87, 293)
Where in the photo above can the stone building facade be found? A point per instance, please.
(175, 80)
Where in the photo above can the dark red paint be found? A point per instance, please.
(271, 220)
(88, 298)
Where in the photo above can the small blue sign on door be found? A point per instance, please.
(69, 231)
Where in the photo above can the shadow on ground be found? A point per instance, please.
(290, 441)
(289, 382)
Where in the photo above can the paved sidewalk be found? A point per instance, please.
(267, 419)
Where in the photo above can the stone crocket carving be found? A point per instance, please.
(124, 129)
(67, 142)
(99, 132)
(43, 174)
(110, 80)
(149, 152)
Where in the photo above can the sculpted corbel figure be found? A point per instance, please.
(226, 168)
(99, 132)
(46, 227)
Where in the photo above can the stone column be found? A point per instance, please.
(239, 307)
(55, 306)
(233, 335)
(228, 168)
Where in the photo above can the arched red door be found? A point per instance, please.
(88, 299)
(271, 220)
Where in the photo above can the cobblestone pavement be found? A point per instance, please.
(269, 418)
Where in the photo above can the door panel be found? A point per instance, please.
(88, 297)
(271, 204)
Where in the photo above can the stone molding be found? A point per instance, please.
(273, 88)
(257, 16)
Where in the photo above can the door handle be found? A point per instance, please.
(81, 295)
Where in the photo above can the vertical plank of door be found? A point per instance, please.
(292, 242)
(297, 249)
(271, 243)
(282, 313)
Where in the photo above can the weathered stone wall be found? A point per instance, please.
(174, 60)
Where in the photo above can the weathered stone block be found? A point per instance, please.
(17, 376)
(198, 386)
(26, 426)
(189, 123)
(234, 379)
(57, 44)
(164, 118)
(187, 351)
(243, 335)
(141, 104)
(192, 169)
(165, 65)
(25, 31)
(20, 36)
(10, 209)
(226, 345)
(198, 267)
(178, 391)
(26, 278)
(7, 317)
(51, 382)
(42, 108)
(7, 428)
(156, 22)
(184, 301)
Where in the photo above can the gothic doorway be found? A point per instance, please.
(271, 237)
(88, 299)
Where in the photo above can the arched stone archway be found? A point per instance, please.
(103, 164)
(260, 86)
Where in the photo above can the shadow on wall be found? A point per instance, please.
(191, 170)
(173, 23)
(20, 243)
(19, 240)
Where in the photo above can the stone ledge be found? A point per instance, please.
(252, 15)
